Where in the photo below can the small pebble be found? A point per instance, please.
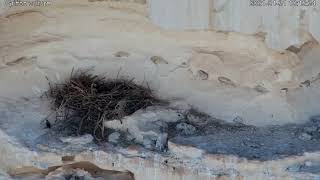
(306, 83)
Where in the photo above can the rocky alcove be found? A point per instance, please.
(237, 104)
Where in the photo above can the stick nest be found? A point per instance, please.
(84, 101)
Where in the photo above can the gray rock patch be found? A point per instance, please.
(121, 54)
(114, 137)
(185, 129)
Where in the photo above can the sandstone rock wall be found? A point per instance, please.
(50, 41)
(180, 14)
(3, 6)
(281, 26)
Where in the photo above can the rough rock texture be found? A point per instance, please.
(234, 64)
(283, 26)
(280, 25)
(242, 81)
(183, 162)
(3, 6)
(180, 14)
(147, 126)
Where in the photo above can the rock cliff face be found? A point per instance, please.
(226, 75)
(230, 76)
(282, 25)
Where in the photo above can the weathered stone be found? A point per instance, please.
(181, 106)
(252, 144)
(310, 129)
(305, 137)
(180, 14)
(110, 26)
(158, 60)
(146, 126)
(238, 120)
(121, 54)
(308, 163)
(114, 137)
(202, 75)
(306, 83)
(161, 141)
(315, 119)
(181, 150)
(185, 129)
(226, 81)
(294, 168)
(129, 137)
(4, 176)
(196, 118)
(281, 26)
(149, 142)
(261, 89)
(80, 140)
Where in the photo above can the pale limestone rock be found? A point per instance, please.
(244, 60)
(185, 129)
(121, 54)
(3, 6)
(226, 81)
(310, 129)
(152, 165)
(145, 126)
(186, 151)
(305, 137)
(261, 89)
(198, 119)
(238, 120)
(72, 44)
(81, 140)
(180, 14)
(114, 137)
(4, 175)
(202, 75)
(180, 105)
(158, 60)
(239, 68)
(282, 26)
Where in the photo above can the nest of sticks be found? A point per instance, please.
(84, 101)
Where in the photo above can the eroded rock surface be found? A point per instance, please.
(280, 24)
(147, 127)
(33, 50)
